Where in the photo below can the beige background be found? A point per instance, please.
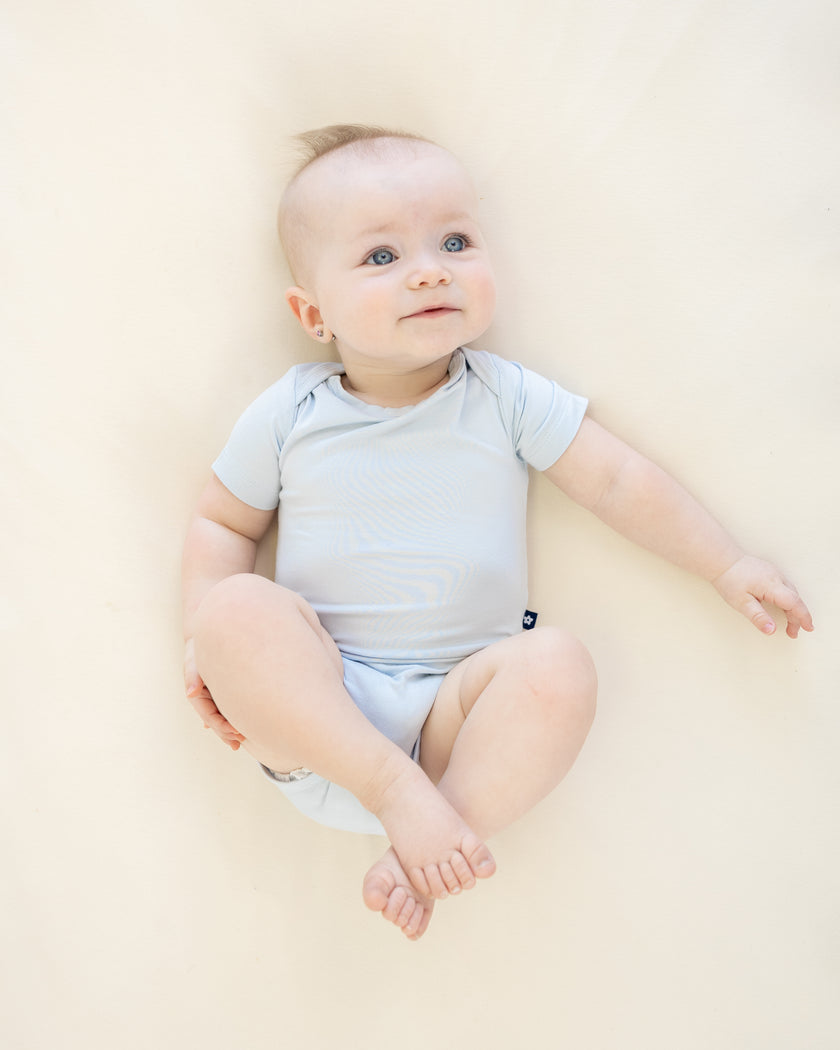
(660, 183)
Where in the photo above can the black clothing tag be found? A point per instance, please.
(529, 620)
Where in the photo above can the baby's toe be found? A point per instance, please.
(398, 902)
(416, 925)
(434, 880)
(450, 879)
(479, 858)
(378, 888)
(462, 872)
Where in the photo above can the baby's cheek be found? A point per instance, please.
(484, 295)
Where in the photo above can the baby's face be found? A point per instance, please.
(398, 266)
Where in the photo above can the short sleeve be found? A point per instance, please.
(542, 417)
(249, 464)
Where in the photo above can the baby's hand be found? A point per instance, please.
(749, 582)
(199, 696)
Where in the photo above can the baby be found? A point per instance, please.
(392, 680)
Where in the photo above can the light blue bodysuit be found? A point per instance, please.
(404, 528)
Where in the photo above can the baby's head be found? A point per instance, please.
(381, 233)
(301, 216)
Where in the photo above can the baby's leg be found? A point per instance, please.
(277, 677)
(507, 725)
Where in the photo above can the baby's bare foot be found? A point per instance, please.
(387, 889)
(438, 852)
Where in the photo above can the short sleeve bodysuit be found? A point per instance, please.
(404, 528)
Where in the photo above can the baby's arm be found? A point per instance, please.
(645, 504)
(221, 541)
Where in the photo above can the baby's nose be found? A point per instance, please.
(430, 274)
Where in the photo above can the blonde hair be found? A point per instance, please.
(321, 141)
(313, 145)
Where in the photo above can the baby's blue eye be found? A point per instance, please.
(455, 243)
(381, 257)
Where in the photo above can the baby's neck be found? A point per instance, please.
(395, 389)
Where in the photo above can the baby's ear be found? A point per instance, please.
(308, 314)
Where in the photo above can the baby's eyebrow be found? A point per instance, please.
(451, 219)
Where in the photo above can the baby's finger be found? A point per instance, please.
(798, 617)
(222, 728)
(203, 704)
(786, 598)
(197, 691)
(758, 615)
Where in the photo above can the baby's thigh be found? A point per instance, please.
(546, 666)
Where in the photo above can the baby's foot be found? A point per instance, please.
(438, 852)
(387, 889)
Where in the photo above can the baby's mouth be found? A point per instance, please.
(434, 311)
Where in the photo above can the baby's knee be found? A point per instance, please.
(240, 603)
(561, 671)
(228, 599)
